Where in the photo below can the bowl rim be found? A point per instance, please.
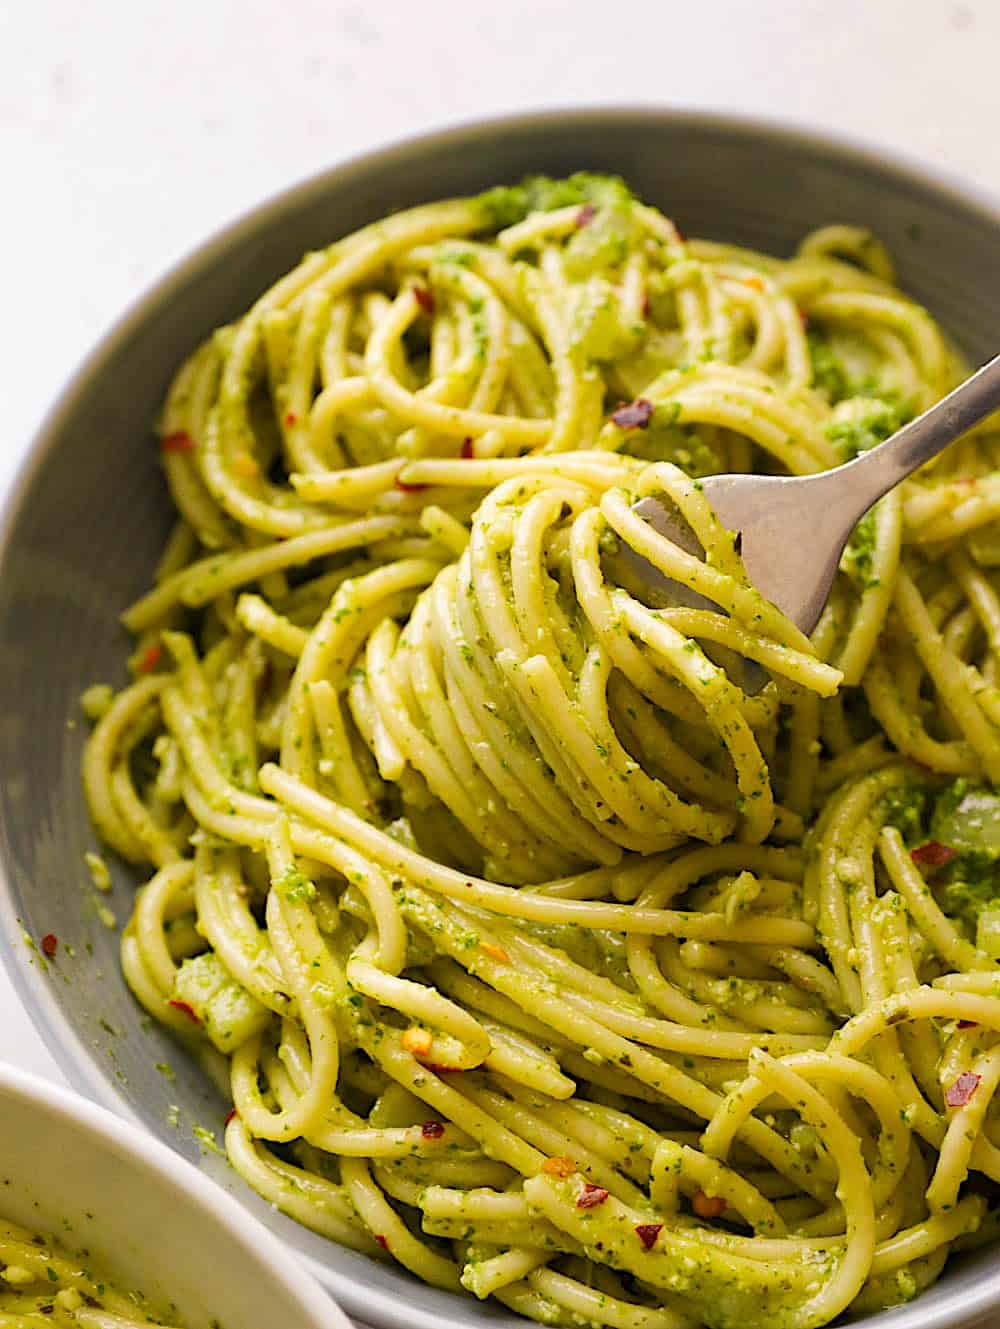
(189, 1186)
(69, 1050)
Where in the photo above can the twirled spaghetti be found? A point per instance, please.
(546, 960)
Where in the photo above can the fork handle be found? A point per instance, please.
(875, 472)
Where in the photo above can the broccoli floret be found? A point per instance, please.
(861, 423)
(507, 204)
(665, 440)
(906, 809)
(829, 374)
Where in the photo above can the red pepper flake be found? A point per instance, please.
(179, 442)
(559, 1166)
(645, 305)
(968, 1024)
(150, 658)
(707, 1206)
(432, 1130)
(230, 1115)
(291, 418)
(50, 944)
(188, 1010)
(408, 489)
(933, 854)
(803, 318)
(468, 450)
(591, 1196)
(633, 415)
(959, 1093)
(382, 1241)
(647, 1234)
(440, 1069)
(585, 216)
(424, 298)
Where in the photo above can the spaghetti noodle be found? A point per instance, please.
(541, 958)
(42, 1284)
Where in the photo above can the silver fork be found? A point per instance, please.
(792, 529)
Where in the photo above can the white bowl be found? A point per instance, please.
(150, 1220)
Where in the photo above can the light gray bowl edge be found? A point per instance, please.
(80, 528)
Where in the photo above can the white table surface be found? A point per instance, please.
(128, 131)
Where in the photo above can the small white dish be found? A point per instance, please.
(151, 1221)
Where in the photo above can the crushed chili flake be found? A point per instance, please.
(591, 1196)
(633, 415)
(707, 1206)
(959, 1093)
(933, 854)
(585, 216)
(407, 488)
(230, 1115)
(416, 1040)
(50, 944)
(968, 1024)
(647, 1234)
(495, 952)
(150, 658)
(181, 441)
(560, 1166)
(432, 1130)
(187, 1009)
(424, 298)
(440, 1069)
(803, 318)
(291, 418)
(382, 1240)
(468, 449)
(645, 305)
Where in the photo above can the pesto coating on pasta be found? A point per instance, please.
(43, 1283)
(539, 956)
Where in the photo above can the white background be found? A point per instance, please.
(129, 129)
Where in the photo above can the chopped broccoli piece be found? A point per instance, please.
(602, 244)
(905, 808)
(507, 204)
(229, 1013)
(829, 374)
(599, 331)
(861, 423)
(966, 818)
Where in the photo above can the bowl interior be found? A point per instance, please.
(69, 1170)
(85, 527)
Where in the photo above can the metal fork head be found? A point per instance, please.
(791, 534)
(791, 530)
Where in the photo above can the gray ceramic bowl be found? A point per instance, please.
(82, 530)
